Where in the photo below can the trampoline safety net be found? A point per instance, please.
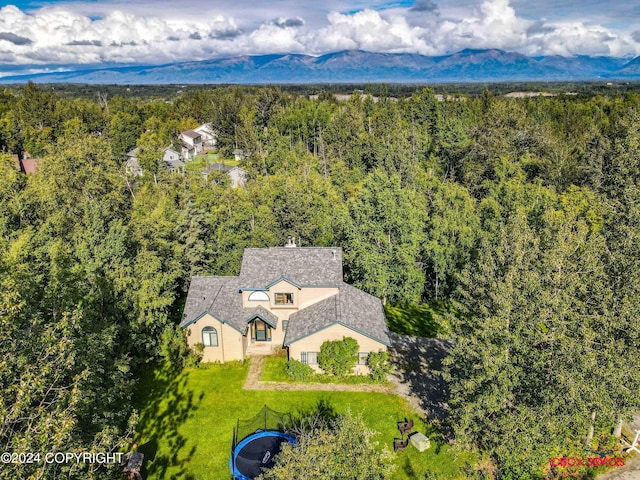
(267, 419)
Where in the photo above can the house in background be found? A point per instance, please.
(29, 165)
(209, 137)
(24, 163)
(237, 175)
(289, 297)
(191, 144)
(171, 160)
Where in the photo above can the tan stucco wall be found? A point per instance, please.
(309, 296)
(302, 298)
(277, 335)
(231, 344)
(335, 332)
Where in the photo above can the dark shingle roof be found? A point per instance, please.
(350, 306)
(306, 266)
(311, 319)
(207, 293)
(173, 164)
(363, 311)
(220, 297)
(190, 134)
(216, 167)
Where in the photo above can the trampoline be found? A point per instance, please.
(255, 452)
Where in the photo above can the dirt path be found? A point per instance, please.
(417, 363)
(255, 369)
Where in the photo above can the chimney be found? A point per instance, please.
(291, 242)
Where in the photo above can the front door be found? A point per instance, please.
(260, 331)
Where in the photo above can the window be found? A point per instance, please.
(362, 358)
(310, 358)
(210, 337)
(284, 298)
(285, 324)
(258, 297)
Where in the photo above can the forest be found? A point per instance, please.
(521, 215)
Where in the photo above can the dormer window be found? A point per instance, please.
(284, 298)
(259, 297)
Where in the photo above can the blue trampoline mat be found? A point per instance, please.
(255, 452)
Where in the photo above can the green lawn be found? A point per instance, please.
(275, 370)
(426, 320)
(200, 162)
(187, 420)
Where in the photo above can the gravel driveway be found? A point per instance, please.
(417, 362)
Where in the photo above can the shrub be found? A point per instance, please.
(174, 350)
(298, 371)
(379, 366)
(338, 357)
(338, 448)
(195, 356)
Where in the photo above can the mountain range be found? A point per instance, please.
(356, 66)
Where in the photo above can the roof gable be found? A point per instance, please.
(282, 280)
(350, 307)
(218, 296)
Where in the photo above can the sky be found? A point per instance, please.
(50, 35)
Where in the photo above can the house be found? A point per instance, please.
(209, 137)
(237, 175)
(191, 144)
(29, 165)
(291, 297)
(26, 164)
(170, 160)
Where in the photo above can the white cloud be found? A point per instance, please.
(368, 30)
(568, 39)
(63, 35)
(271, 38)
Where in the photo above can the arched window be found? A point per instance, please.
(210, 337)
(259, 296)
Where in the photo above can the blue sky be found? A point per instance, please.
(40, 35)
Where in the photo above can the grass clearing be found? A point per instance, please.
(426, 320)
(187, 420)
(200, 162)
